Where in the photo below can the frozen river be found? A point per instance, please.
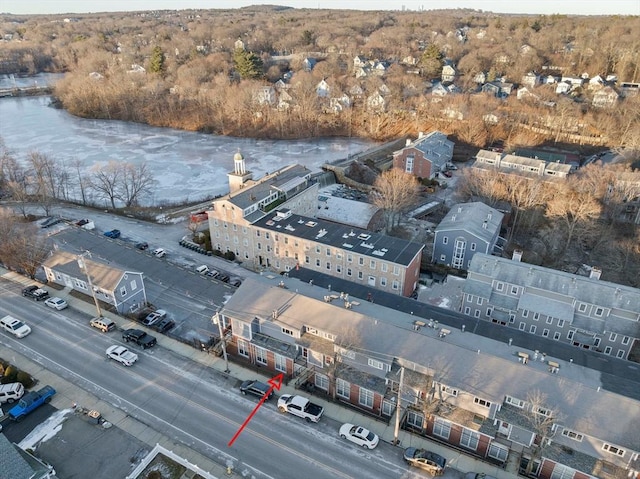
(186, 165)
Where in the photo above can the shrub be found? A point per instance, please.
(26, 379)
(10, 374)
(230, 255)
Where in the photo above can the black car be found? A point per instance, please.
(139, 337)
(256, 388)
(35, 292)
(142, 246)
(164, 325)
(223, 277)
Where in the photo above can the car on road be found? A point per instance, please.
(431, 462)
(153, 318)
(112, 234)
(14, 326)
(35, 292)
(122, 355)
(159, 253)
(256, 388)
(359, 435)
(103, 324)
(142, 246)
(56, 303)
(164, 325)
(139, 337)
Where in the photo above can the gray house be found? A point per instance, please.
(583, 311)
(19, 464)
(122, 289)
(468, 228)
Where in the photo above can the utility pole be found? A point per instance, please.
(83, 267)
(398, 408)
(217, 320)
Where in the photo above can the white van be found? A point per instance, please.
(11, 392)
(204, 269)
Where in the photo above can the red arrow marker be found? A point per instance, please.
(275, 383)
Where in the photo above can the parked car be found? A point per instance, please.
(139, 337)
(122, 355)
(153, 318)
(431, 462)
(112, 234)
(223, 277)
(213, 273)
(202, 269)
(11, 392)
(159, 253)
(35, 292)
(14, 326)
(164, 325)
(56, 303)
(256, 388)
(142, 246)
(103, 324)
(30, 402)
(86, 224)
(54, 220)
(235, 282)
(359, 435)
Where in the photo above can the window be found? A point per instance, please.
(613, 450)
(561, 323)
(607, 350)
(318, 249)
(383, 281)
(388, 408)
(328, 266)
(469, 439)
(543, 411)
(361, 261)
(497, 451)
(448, 390)
(80, 284)
(514, 401)
(522, 326)
(489, 311)
(322, 382)
(318, 263)
(625, 340)
(395, 285)
(243, 349)
(467, 310)
(445, 240)
(374, 363)
(328, 251)
(482, 402)
(582, 307)
(409, 164)
(365, 398)
(499, 286)
(339, 269)
(123, 291)
(620, 353)
(613, 337)
(443, 257)
(281, 363)
(570, 334)
(360, 275)
(536, 316)
(441, 428)
(549, 319)
(545, 333)
(514, 290)
(562, 472)
(343, 388)
(476, 313)
(372, 264)
(556, 335)
(348, 271)
(349, 258)
(288, 332)
(261, 356)
(286, 240)
(599, 311)
(133, 285)
(383, 267)
(480, 300)
(572, 435)
(532, 329)
(473, 246)
(396, 270)
(525, 313)
(415, 419)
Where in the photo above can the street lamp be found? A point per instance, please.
(398, 408)
(83, 267)
(217, 320)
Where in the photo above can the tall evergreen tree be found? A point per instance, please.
(156, 64)
(247, 64)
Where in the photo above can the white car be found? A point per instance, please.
(159, 253)
(153, 318)
(56, 303)
(359, 435)
(15, 326)
(122, 355)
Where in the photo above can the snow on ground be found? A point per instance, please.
(46, 430)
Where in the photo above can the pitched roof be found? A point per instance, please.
(103, 276)
(476, 218)
(13, 464)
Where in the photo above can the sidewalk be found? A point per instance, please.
(69, 394)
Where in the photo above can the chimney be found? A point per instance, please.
(484, 224)
(420, 135)
(408, 142)
(595, 273)
(517, 255)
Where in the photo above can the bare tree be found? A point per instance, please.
(394, 191)
(21, 248)
(541, 418)
(81, 178)
(135, 183)
(105, 181)
(42, 172)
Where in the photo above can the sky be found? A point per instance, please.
(581, 7)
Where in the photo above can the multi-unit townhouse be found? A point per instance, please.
(122, 289)
(520, 165)
(284, 241)
(426, 156)
(552, 417)
(583, 311)
(231, 215)
(467, 229)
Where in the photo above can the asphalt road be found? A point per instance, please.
(190, 403)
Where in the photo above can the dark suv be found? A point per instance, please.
(35, 292)
(139, 337)
(256, 388)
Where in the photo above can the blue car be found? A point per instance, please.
(112, 234)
